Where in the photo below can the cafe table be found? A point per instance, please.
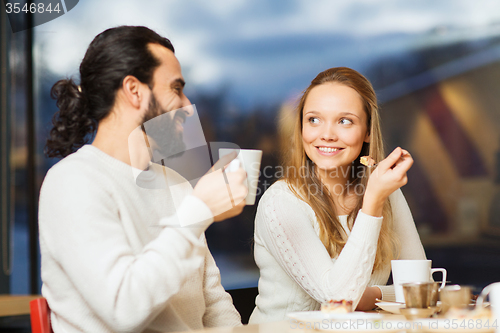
(15, 305)
(285, 326)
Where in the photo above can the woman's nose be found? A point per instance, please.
(329, 134)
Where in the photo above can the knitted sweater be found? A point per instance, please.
(296, 271)
(114, 258)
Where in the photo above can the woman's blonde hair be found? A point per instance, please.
(331, 231)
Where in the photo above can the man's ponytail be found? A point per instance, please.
(72, 123)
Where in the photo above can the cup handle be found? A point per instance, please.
(484, 293)
(443, 271)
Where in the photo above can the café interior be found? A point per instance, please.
(435, 69)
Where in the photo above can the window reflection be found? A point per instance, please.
(436, 79)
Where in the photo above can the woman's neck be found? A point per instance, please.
(337, 181)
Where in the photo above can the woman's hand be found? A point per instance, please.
(389, 175)
(367, 301)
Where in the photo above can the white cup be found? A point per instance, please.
(250, 161)
(494, 291)
(409, 271)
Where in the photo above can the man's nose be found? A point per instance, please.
(186, 105)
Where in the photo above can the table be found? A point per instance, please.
(277, 327)
(15, 305)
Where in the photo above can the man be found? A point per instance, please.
(114, 258)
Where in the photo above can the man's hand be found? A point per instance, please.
(225, 199)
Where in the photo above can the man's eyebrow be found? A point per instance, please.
(178, 81)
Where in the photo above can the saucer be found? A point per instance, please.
(395, 307)
(415, 313)
(392, 307)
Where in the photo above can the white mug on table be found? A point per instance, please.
(250, 161)
(494, 291)
(407, 271)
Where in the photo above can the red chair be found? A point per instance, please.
(40, 316)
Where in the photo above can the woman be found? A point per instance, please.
(330, 228)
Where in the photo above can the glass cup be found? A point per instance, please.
(455, 296)
(421, 294)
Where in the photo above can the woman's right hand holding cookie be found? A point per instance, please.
(389, 175)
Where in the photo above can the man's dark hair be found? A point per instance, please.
(112, 55)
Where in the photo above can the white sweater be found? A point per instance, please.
(296, 271)
(113, 256)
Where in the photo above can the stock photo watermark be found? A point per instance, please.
(175, 140)
(270, 173)
(389, 325)
(24, 15)
(355, 325)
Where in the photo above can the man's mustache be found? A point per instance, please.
(180, 114)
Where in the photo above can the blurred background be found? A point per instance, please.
(435, 66)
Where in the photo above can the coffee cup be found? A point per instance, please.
(411, 271)
(250, 161)
(493, 290)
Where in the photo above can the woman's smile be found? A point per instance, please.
(328, 151)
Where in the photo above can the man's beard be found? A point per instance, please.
(162, 131)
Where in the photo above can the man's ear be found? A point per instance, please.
(133, 91)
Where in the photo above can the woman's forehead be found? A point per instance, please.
(334, 98)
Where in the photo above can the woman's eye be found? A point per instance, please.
(313, 120)
(346, 121)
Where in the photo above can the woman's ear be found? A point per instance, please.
(367, 137)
